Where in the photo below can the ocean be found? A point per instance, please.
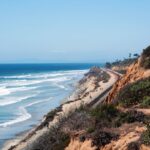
(29, 91)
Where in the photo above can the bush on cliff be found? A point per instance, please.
(134, 93)
(102, 138)
(130, 117)
(55, 139)
(104, 111)
(109, 116)
(145, 59)
(146, 102)
(145, 137)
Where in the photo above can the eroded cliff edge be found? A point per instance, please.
(123, 121)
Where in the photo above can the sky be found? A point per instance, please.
(72, 31)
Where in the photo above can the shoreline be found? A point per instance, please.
(85, 93)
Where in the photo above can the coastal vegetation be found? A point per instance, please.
(52, 140)
(145, 59)
(108, 115)
(97, 73)
(124, 62)
(146, 102)
(145, 137)
(90, 123)
(121, 65)
(135, 93)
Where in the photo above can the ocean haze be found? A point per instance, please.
(40, 31)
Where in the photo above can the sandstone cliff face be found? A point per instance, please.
(134, 72)
(77, 145)
(120, 69)
(128, 133)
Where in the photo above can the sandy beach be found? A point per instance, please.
(88, 91)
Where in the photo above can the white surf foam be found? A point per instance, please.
(23, 88)
(23, 114)
(45, 75)
(17, 77)
(25, 80)
(13, 100)
(4, 91)
(61, 79)
(61, 86)
(33, 76)
(31, 79)
(20, 83)
(28, 105)
(7, 91)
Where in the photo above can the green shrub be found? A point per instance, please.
(102, 138)
(55, 139)
(105, 111)
(146, 101)
(145, 137)
(108, 65)
(109, 116)
(134, 93)
(145, 59)
(63, 143)
(122, 63)
(90, 129)
(128, 117)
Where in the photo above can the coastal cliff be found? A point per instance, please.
(119, 118)
(122, 122)
(134, 73)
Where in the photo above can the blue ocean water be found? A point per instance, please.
(28, 91)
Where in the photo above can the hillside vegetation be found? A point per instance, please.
(137, 93)
(122, 65)
(145, 59)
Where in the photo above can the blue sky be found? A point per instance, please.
(36, 31)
